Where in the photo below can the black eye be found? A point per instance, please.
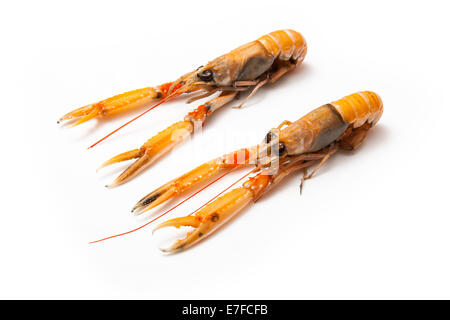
(281, 148)
(270, 136)
(206, 75)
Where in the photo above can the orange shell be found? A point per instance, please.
(359, 108)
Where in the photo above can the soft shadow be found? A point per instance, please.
(377, 136)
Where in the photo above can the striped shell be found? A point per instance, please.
(285, 44)
(359, 108)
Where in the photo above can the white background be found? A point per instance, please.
(373, 223)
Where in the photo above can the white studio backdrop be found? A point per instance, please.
(373, 223)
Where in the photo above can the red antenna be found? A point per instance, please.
(163, 214)
(137, 117)
(212, 199)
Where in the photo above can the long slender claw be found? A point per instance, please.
(209, 218)
(153, 149)
(179, 185)
(195, 178)
(125, 101)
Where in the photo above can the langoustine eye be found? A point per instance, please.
(206, 75)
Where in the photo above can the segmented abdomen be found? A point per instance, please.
(359, 108)
(285, 45)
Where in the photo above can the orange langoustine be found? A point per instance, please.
(290, 147)
(249, 66)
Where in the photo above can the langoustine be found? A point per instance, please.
(247, 67)
(292, 146)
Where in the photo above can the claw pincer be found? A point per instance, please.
(217, 213)
(150, 151)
